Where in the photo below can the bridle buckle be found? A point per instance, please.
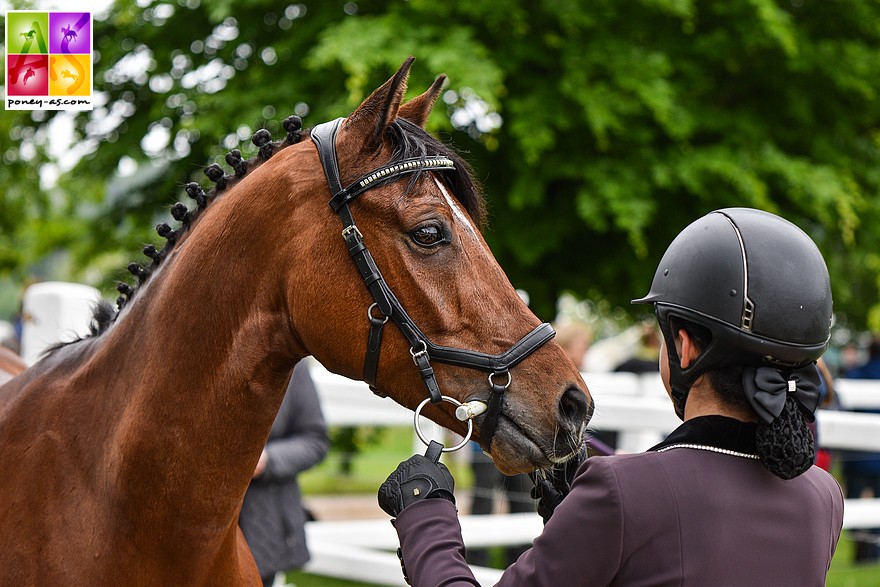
(416, 355)
(349, 230)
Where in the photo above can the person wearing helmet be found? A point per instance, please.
(730, 497)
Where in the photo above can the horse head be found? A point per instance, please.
(411, 219)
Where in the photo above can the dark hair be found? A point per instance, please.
(786, 445)
(726, 380)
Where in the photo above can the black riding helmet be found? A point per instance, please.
(757, 282)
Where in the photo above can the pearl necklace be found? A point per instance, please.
(723, 451)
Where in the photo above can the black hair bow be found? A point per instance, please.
(767, 388)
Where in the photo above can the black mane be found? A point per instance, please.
(240, 167)
(408, 140)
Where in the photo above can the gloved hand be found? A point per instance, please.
(417, 478)
(553, 485)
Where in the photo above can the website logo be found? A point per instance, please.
(48, 60)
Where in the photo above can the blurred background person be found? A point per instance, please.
(861, 470)
(645, 357)
(575, 339)
(828, 400)
(272, 515)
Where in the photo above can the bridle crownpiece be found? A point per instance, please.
(385, 302)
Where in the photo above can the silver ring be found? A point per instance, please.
(421, 436)
(506, 385)
(415, 353)
(370, 313)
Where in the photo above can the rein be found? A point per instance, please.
(388, 306)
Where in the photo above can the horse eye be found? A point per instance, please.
(428, 235)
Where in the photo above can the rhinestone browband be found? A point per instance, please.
(406, 166)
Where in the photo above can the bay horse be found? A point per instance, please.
(125, 455)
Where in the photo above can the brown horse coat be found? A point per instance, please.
(125, 455)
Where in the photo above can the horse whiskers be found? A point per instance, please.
(573, 438)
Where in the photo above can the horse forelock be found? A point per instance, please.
(410, 140)
(406, 138)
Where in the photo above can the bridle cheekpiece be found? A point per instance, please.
(388, 306)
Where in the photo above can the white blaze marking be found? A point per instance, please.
(456, 211)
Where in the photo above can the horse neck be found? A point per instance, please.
(203, 354)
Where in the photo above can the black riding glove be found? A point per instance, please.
(417, 478)
(553, 485)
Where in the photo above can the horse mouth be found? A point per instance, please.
(515, 448)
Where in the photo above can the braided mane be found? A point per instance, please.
(408, 140)
(105, 314)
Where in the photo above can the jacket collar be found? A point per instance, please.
(717, 431)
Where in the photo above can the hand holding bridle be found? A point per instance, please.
(417, 478)
(554, 484)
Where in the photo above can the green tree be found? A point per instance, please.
(599, 128)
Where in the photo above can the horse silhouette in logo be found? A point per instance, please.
(28, 75)
(28, 36)
(69, 33)
(68, 74)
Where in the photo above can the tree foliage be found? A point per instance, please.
(600, 129)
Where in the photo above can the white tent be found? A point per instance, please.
(54, 311)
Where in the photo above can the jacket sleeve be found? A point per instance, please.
(581, 544)
(431, 545)
(305, 441)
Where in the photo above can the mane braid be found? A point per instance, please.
(408, 140)
(104, 315)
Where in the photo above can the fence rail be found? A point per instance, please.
(636, 406)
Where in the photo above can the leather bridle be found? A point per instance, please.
(387, 305)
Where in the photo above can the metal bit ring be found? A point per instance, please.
(455, 402)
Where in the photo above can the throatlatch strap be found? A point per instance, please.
(324, 138)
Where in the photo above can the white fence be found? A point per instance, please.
(634, 405)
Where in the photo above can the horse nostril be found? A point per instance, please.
(574, 408)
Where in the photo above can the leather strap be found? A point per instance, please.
(421, 348)
(324, 137)
(494, 363)
(374, 345)
(493, 412)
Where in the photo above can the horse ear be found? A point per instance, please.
(418, 109)
(376, 112)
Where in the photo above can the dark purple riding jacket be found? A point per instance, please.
(683, 516)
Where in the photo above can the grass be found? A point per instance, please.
(376, 462)
(844, 573)
(306, 580)
(370, 468)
